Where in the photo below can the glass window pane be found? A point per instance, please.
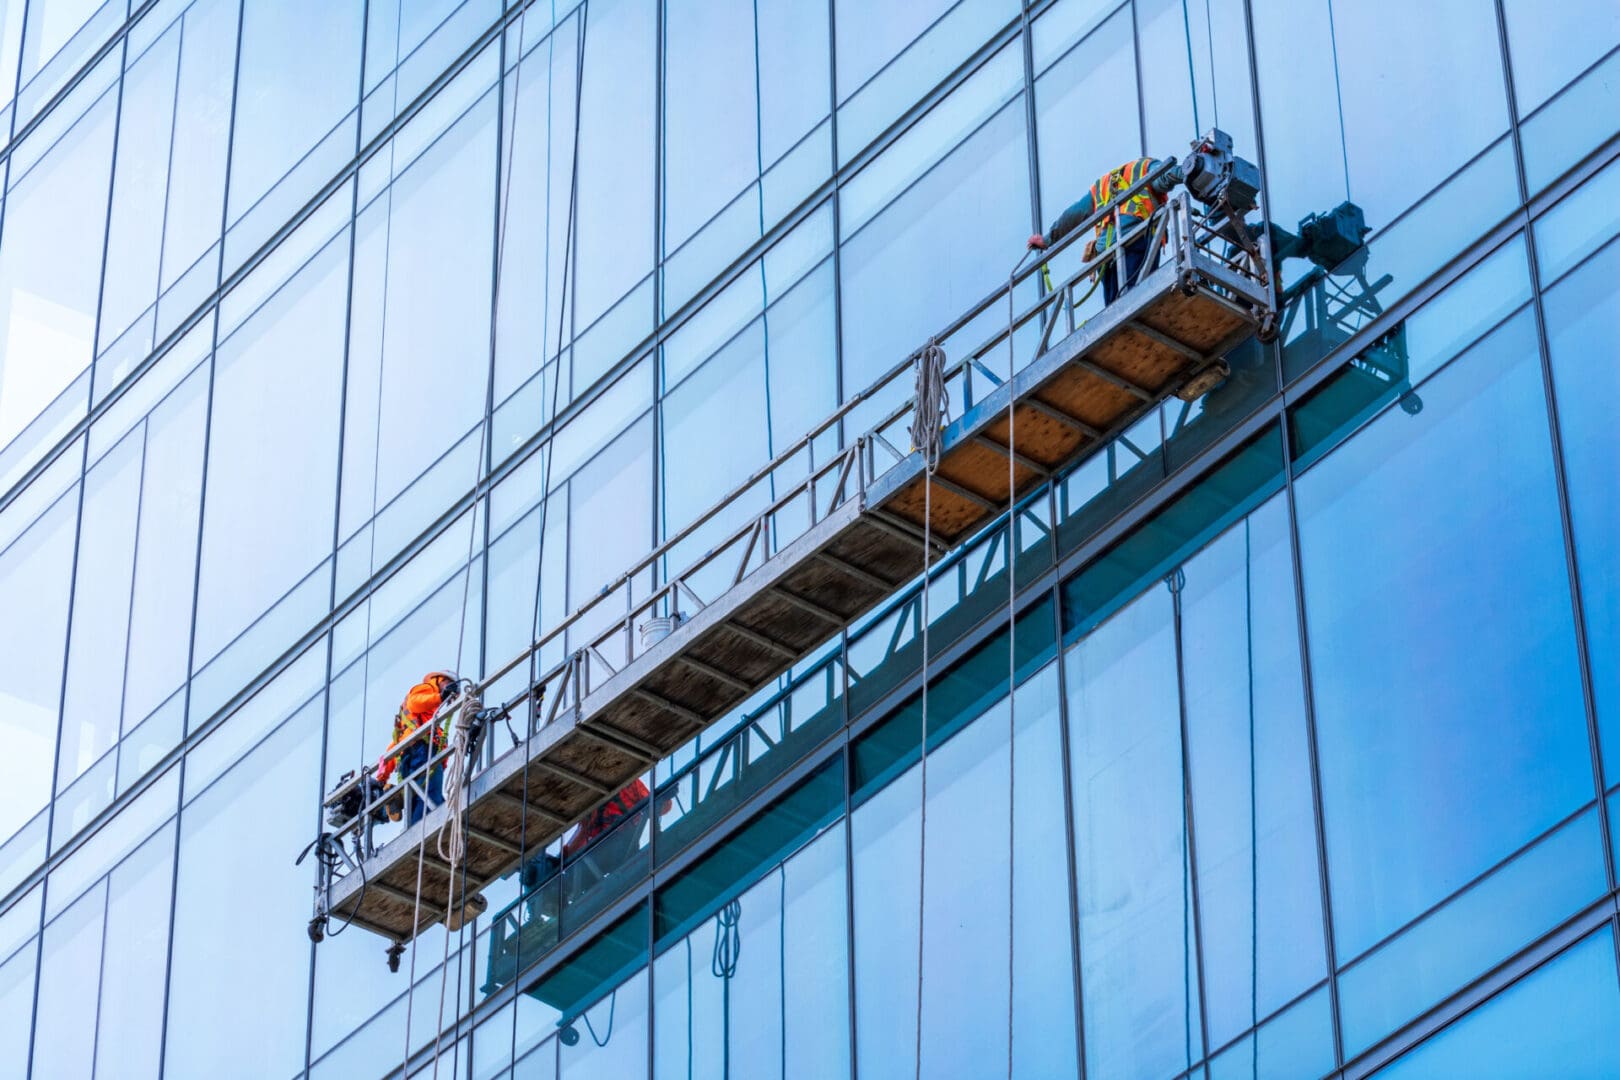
(50, 268)
(1138, 975)
(420, 325)
(272, 510)
(35, 576)
(1571, 125)
(782, 1001)
(1526, 897)
(1260, 901)
(931, 37)
(17, 1005)
(610, 514)
(233, 874)
(1343, 97)
(1044, 1041)
(11, 28)
(1198, 54)
(965, 898)
(1552, 43)
(166, 549)
(69, 982)
(1559, 1021)
(1078, 141)
(130, 1022)
(1431, 768)
(712, 138)
(613, 236)
(613, 1035)
(959, 221)
(51, 24)
(1582, 312)
(537, 166)
(299, 73)
(1299, 1042)
(101, 593)
(197, 165)
(135, 234)
(1578, 224)
(885, 835)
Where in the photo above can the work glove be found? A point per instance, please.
(1036, 243)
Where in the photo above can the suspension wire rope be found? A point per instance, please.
(1214, 82)
(764, 279)
(468, 704)
(376, 473)
(1338, 94)
(545, 339)
(371, 539)
(1012, 640)
(781, 962)
(1192, 76)
(581, 36)
(926, 424)
(1174, 581)
(1254, 824)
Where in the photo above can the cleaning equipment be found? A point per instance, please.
(840, 536)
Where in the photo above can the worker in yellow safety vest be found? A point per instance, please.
(1135, 211)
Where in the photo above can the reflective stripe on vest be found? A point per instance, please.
(1108, 187)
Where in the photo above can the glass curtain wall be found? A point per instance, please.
(341, 342)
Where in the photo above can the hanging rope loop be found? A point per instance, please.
(452, 842)
(933, 403)
(727, 941)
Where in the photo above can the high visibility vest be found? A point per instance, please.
(419, 707)
(1107, 188)
(628, 801)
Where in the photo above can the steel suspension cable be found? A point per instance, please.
(1012, 639)
(926, 425)
(1254, 825)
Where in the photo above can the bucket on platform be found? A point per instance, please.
(658, 628)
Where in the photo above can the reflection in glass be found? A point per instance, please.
(760, 989)
(50, 263)
(1260, 902)
(1560, 1021)
(236, 903)
(1138, 967)
(1449, 733)
(35, 576)
(1582, 312)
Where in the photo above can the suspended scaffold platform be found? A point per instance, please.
(827, 542)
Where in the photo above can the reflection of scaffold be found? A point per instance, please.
(1334, 307)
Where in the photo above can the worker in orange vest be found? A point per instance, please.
(613, 854)
(605, 817)
(1135, 211)
(420, 707)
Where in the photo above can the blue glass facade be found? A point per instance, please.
(344, 340)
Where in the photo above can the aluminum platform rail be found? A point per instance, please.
(819, 544)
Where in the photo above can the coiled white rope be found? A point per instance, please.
(933, 404)
(452, 840)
